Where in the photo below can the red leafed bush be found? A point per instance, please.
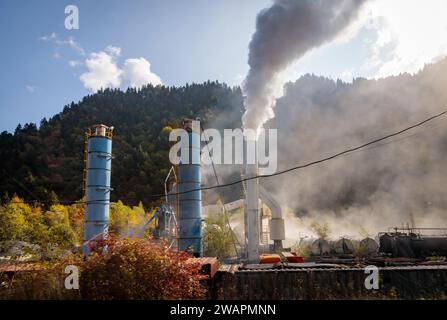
(139, 269)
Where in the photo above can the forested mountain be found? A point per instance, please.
(315, 117)
(38, 161)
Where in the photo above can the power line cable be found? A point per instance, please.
(226, 218)
(21, 185)
(404, 138)
(321, 160)
(298, 167)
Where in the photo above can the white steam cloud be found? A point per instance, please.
(284, 33)
(395, 182)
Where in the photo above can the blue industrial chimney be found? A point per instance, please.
(190, 203)
(97, 186)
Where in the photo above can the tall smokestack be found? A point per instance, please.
(97, 186)
(252, 200)
(284, 33)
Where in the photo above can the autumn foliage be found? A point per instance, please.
(130, 270)
(60, 227)
(139, 269)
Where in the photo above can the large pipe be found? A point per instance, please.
(190, 203)
(252, 201)
(276, 223)
(99, 164)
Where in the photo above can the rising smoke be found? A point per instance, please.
(391, 184)
(394, 183)
(284, 33)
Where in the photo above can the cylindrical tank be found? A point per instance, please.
(412, 245)
(190, 203)
(97, 188)
(320, 247)
(426, 246)
(387, 244)
(343, 246)
(368, 246)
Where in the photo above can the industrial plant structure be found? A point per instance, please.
(179, 219)
(189, 193)
(184, 196)
(98, 165)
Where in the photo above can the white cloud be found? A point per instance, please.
(49, 37)
(102, 72)
(70, 42)
(30, 88)
(74, 63)
(409, 35)
(113, 51)
(138, 72)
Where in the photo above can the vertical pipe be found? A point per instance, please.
(99, 163)
(190, 203)
(252, 203)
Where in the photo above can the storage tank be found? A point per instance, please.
(411, 245)
(320, 247)
(387, 244)
(190, 203)
(426, 246)
(368, 246)
(97, 186)
(343, 246)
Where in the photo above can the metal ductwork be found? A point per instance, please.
(190, 203)
(97, 186)
(276, 223)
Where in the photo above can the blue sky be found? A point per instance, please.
(44, 66)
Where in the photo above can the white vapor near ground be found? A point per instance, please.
(398, 181)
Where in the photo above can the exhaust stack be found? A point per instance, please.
(252, 201)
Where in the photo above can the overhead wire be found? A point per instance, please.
(226, 218)
(298, 167)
